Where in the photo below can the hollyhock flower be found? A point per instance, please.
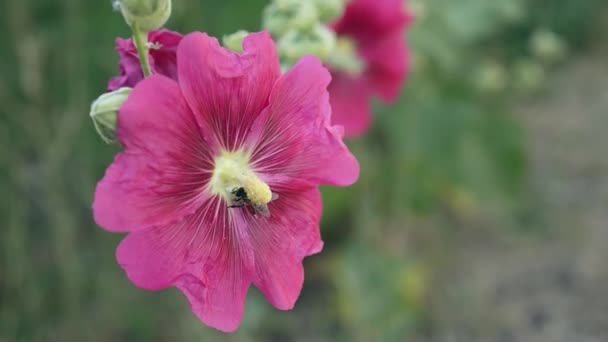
(162, 58)
(218, 183)
(373, 30)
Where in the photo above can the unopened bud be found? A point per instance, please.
(345, 57)
(234, 41)
(330, 10)
(529, 76)
(104, 112)
(282, 16)
(419, 8)
(491, 77)
(148, 15)
(513, 11)
(318, 42)
(547, 46)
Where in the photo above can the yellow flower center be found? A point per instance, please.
(231, 172)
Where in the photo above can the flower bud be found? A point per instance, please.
(547, 46)
(419, 8)
(529, 76)
(330, 10)
(491, 77)
(234, 41)
(104, 112)
(318, 42)
(282, 16)
(512, 11)
(148, 15)
(344, 57)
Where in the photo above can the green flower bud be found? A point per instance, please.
(529, 76)
(512, 11)
(282, 16)
(148, 15)
(344, 57)
(547, 46)
(491, 77)
(318, 42)
(419, 8)
(104, 112)
(330, 10)
(234, 41)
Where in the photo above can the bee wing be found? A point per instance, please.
(262, 210)
(274, 196)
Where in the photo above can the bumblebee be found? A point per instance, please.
(240, 199)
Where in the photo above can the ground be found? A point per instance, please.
(550, 288)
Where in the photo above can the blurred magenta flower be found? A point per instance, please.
(162, 58)
(375, 29)
(231, 125)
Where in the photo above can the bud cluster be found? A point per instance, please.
(300, 27)
(143, 16)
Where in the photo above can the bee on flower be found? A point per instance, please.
(218, 183)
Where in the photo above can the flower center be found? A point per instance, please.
(234, 180)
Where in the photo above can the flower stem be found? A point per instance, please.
(140, 39)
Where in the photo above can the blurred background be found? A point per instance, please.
(480, 214)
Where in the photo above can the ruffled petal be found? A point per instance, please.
(161, 175)
(282, 241)
(227, 91)
(207, 256)
(162, 58)
(163, 53)
(294, 146)
(130, 69)
(350, 104)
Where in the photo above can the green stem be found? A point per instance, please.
(141, 43)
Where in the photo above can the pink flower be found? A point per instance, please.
(230, 123)
(162, 58)
(376, 27)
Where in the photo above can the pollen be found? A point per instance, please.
(232, 171)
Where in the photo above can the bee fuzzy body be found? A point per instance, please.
(241, 199)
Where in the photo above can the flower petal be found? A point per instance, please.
(163, 54)
(378, 26)
(162, 58)
(130, 69)
(350, 104)
(207, 256)
(388, 61)
(161, 175)
(227, 91)
(366, 20)
(282, 241)
(293, 144)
